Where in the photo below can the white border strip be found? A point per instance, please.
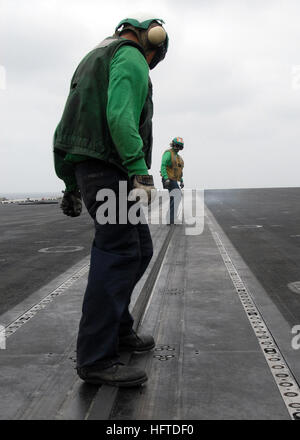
(282, 375)
(29, 314)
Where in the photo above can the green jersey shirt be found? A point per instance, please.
(127, 93)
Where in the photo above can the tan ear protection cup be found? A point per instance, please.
(156, 35)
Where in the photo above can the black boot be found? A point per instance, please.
(134, 342)
(118, 375)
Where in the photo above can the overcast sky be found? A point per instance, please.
(229, 85)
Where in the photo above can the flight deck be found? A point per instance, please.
(223, 307)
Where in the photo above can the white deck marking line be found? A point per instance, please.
(286, 382)
(30, 313)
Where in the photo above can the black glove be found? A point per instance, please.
(71, 204)
(166, 183)
(143, 187)
(181, 185)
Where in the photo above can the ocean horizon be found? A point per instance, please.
(30, 194)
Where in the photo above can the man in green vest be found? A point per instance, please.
(172, 172)
(104, 141)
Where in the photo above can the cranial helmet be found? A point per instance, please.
(150, 33)
(177, 143)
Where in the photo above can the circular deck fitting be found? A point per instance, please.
(285, 384)
(61, 249)
(164, 347)
(294, 287)
(291, 394)
(164, 357)
(272, 351)
(246, 226)
(294, 405)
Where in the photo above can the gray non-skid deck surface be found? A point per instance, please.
(24, 232)
(37, 375)
(207, 363)
(272, 250)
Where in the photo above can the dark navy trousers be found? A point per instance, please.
(119, 257)
(175, 199)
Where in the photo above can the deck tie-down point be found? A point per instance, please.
(164, 356)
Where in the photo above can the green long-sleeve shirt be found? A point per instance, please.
(127, 92)
(166, 161)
